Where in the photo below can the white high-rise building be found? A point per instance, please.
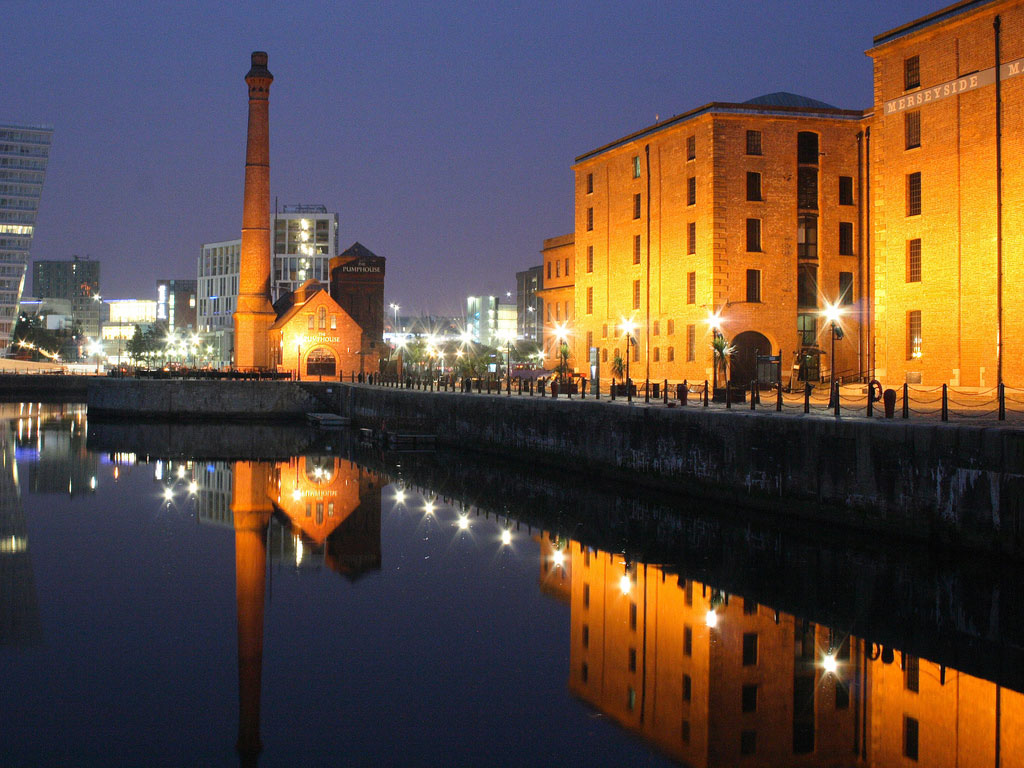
(305, 240)
(24, 151)
(216, 296)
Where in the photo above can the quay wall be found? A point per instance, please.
(953, 483)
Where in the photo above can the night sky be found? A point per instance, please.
(443, 134)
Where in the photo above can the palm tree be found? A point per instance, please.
(722, 350)
(618, 366)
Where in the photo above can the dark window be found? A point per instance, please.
(914, 194)
(685, 732)
(632, 659)
(657, 354)
(590, 219)
(753, 186)
(586, 595)
(691, 355)
(583, 672)
(807, 329)
(566, 267)
(753, 285)
(687, 688)
(655, 329)
(911, 673)
(688, 590)
(842, 695)
(909, 738)
(807, 188)
(590, 258)
(845, 238)
(691, 190)
(749, 607)
(846, 190)
(636, 294)
(636, 166)
(636, 206)
(586, 636)
(590, 335)
(846, 288)
(632, 616)
(691, 147)
(749, 649)
(913, 334)
(911, 73)
(691, 238)
(912, 128)
(670, 354)
(753, 142)
(807, 148)
(807, 285)
(549, 270)
(749, 703)
(691, 287)
(914, 261)
(590, 302)
(631, 699)
(807, 237)
(753, 235)
(636, 249)
(590, 183)
(687, 640)
(803, 714)
(748, 742)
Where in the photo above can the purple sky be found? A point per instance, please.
(443, 134)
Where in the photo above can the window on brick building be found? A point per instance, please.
(691, 190)
(845, 238)
(691, 343)
(657, 354)
(590, 183)
(910, 733)
(753, 235)
(807, 188)
(691, 238)
(846, 190)
(558, 269)
(914, 194)
(691, 287)
(636, 166)
(655, 328)
(636, 205)
(911, 673)
(753, 186)
(590, 304)
(911, 73)
(754, 285)
(687, 688)
(691, 147)
(590, 219)
(912, 128)
(636, 294)
(748, 698)
(914, 260)
(807, 329)
(670, 354)
(636, 249)
(753, 142)
(636, 352)
(590, 341)
(567, 310)
(846, 288)
(913, 334)
(549, 270)
(807, 237)
(604, 331)
(671, 327)
(590, 258)
(604, 355)
(807, 148)
(807, 285)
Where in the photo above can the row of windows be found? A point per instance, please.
(558, 265)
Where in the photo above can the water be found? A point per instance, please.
(163, 604)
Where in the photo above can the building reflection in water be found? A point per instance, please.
(19, 608)
(330, 506)
(716, 680)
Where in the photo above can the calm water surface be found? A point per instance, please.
(331, 608)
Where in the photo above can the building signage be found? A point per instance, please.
(364, 266)
(954, 87)
(320, 339)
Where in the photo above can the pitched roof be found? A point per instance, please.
(358, 251)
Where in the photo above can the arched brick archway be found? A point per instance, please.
(321, 361)
(743, 364)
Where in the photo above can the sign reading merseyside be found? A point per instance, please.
(953, 87)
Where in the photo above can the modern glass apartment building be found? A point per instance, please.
(305, 241)
(24, 151)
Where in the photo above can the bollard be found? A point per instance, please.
(613, 390)
(647, 390)
(664, 393)
(807, 397)
(889, 401)
(705, 393)
(1002, 401)
(753, 393)
(945, 402)
(682, 391)
(728, 395)
(583, 389)
(906, 401)
(835, 396)
(778, 398)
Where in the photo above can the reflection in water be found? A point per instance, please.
(19, 611)
(715, 680)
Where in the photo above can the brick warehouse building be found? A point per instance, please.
(898, 215)
(747, 212)
(936, 189)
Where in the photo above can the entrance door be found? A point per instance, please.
(743, 363)
(321, 362)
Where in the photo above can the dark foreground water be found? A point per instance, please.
(188, 596)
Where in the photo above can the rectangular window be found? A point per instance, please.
(909, 737)
(558, 269)
(691, 287)
(670, 354)
(749, 698)
(691, 147)
(807, 237)
(749, 649)
(754, 285)
(753, 235)
(636, 249)
(911, 73)
(636, 166)
(807, 329)
(845, 238)
(590, 341)
(604, 355)
(753, 186)
(687, 688)
(753, 142)
(584, 671)
(657, 357)
(671, 327)
(807, 285)
(590, 302)
(691, 343)
(914, 194)
(549, 270)
(590, 258)
(590, 219)
(842, 695)
(631, 698)
(913, 334)
(691, 190)
(807, 148)
(807, 188)
(590, 183)
(912, 128)
(656, 328)
(748, 742)
(586, 595)
(567, 267)
(687, 640)
(846, 190)
(749, 607)
(845, 288)
(914, 261)
(911, 673)
(636, 294)
(604, 331)
(586, 635)
(691, 238)
(636, 205)
(684, 732)
(636, 353)
(632, 659)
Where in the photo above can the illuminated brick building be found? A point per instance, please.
(936, 188)
(745, 211)
(557, 295)
(315, 337)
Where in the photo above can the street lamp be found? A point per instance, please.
(714, 321)
(508, 337)
(396, 308)
(96, 349)
(628, 329)
(832, 313)
(562, 337)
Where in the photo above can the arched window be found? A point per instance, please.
(321, 362)
(323, 318)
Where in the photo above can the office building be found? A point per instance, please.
(217, 295)
(76, 280)
(558, 297)
(305, 241)
(176, 305)
(529, 306)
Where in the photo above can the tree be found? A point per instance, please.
(722, 350)
(618, 366)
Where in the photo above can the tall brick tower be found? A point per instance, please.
(254, 314)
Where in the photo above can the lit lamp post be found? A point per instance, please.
(715, 322)
(562, 337)
(832, 313)
(508, 337)
(628, 329)
(396, 308)
(96, 350)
